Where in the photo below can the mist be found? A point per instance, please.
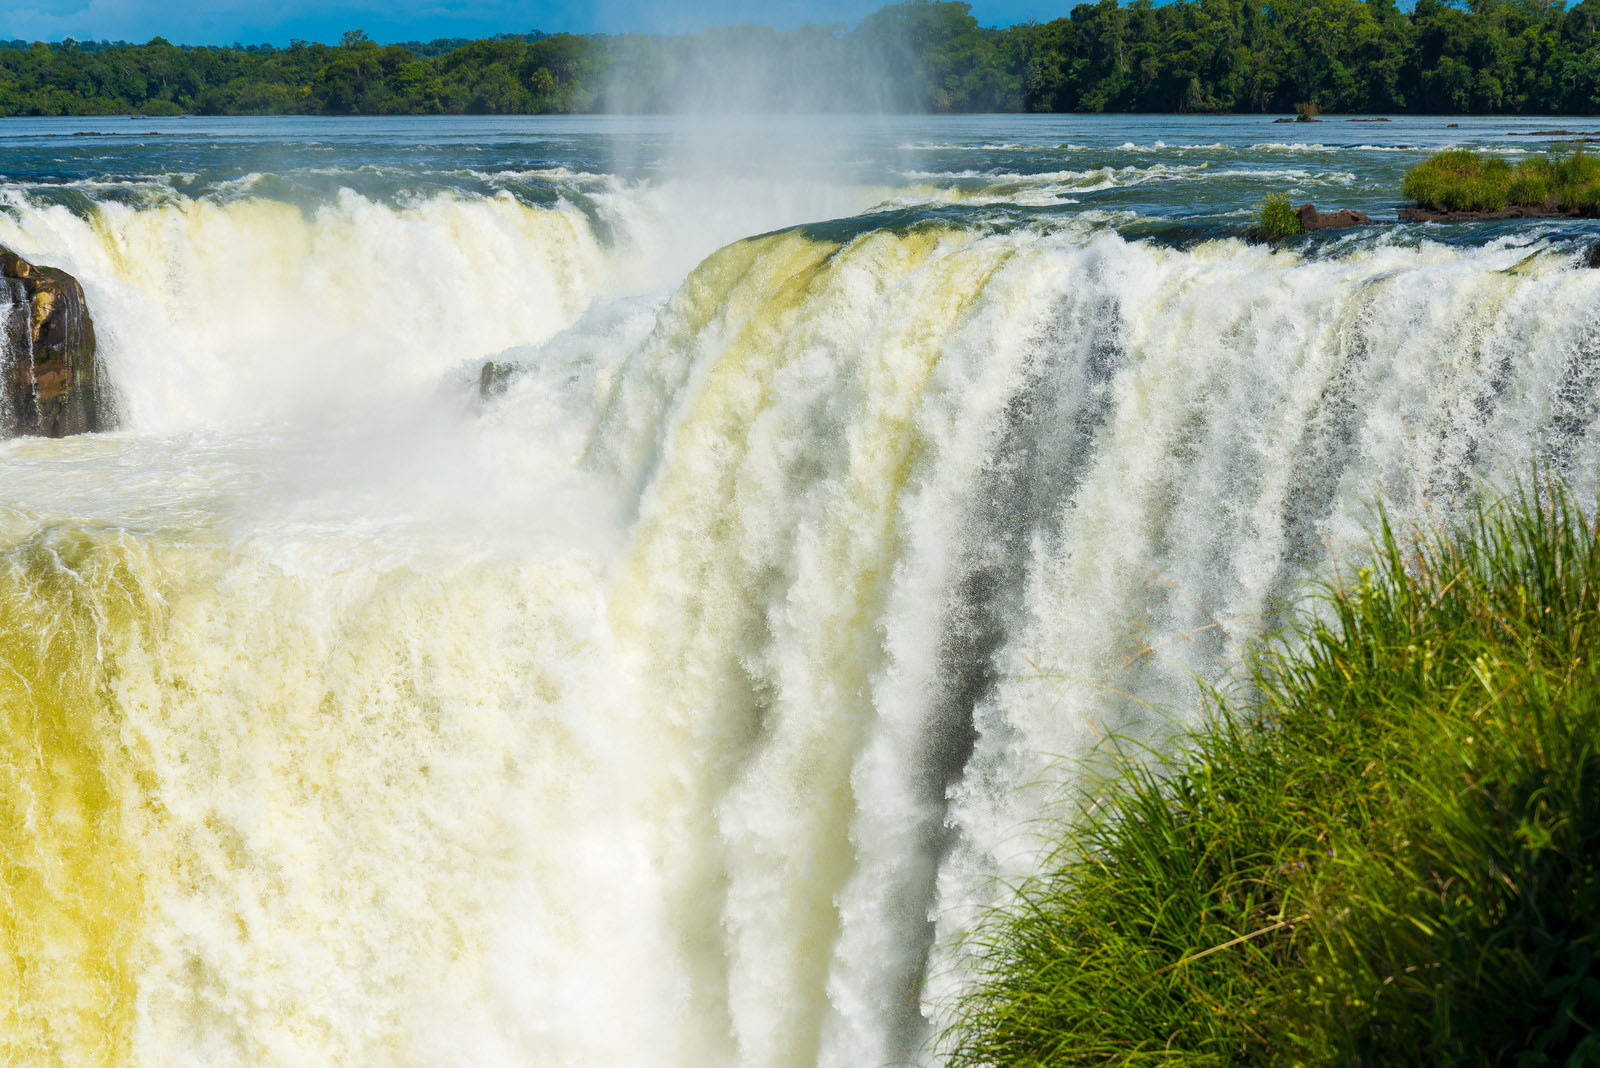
(878, 66)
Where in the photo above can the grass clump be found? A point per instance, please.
(1387, 854)
(1460, 180)
(1276, 219)
(1570, 180)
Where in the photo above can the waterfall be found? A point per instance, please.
(686, 701)
(16, 348)
(929, 515)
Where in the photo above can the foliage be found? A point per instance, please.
(1571, 180)
(1459, 180)
(1276, 218)
(1505, 56)
(1388, 852)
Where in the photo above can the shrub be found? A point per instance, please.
(1459, 180)
(1307, 111)
(1530, 189)
(1575, 176)
(1584, 198)
(1388, 852)
(1276, 219)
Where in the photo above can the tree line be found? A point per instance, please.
(1442, 56)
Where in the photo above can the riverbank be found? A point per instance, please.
(1386, 848)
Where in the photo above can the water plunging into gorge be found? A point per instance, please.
(682, 698)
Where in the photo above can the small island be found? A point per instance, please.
(1461, 185)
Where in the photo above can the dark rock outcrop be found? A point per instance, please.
(1433, 214)
(49, 384)
(497, 376)
(1312, 220)
(1592, 260)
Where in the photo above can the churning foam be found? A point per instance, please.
(684, 704)
(228, 311)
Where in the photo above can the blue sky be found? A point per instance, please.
(276, 21)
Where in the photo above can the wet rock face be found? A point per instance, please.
(1312, 219)
(48, 381)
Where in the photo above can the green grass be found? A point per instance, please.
(1573, 180)
(1459, 180)
(1275, 218)
(1388, 853)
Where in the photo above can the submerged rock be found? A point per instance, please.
(48, 381)
(1311, 219)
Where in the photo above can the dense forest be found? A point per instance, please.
(1481, 57)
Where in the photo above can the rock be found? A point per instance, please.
(1548, 210)
(497, 376)
(1285, 120)
(1592, 260)
(1311, 219)
(48, 381)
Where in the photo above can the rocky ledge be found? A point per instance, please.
(1312, 220)
(48, 381)
(1420, 214)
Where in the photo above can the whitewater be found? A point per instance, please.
(625, 592)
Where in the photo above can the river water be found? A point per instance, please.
(679, 690)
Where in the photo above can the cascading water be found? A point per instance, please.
(685, 701)
(16, 347)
